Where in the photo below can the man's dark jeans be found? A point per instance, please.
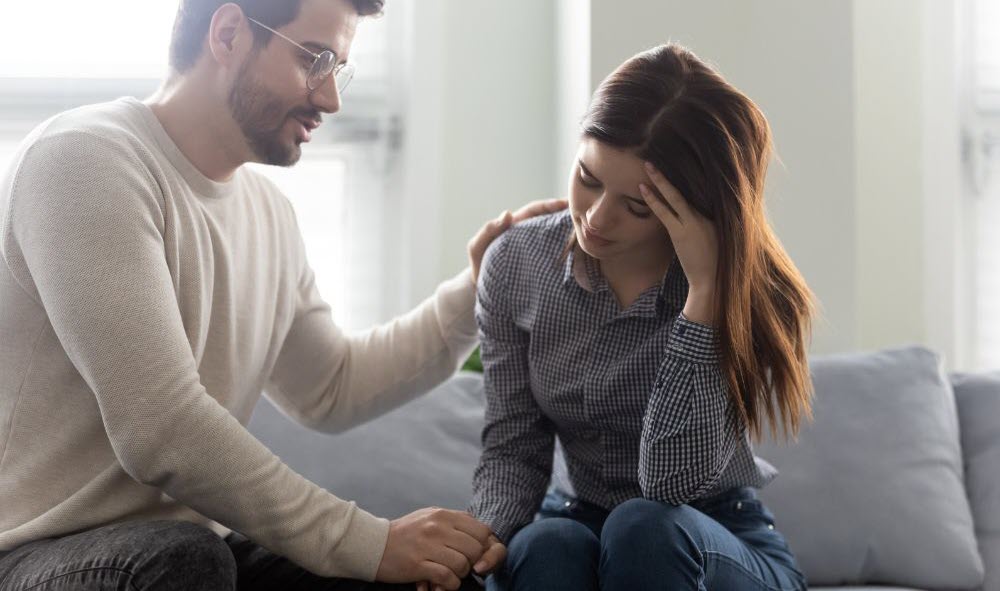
(162, 556)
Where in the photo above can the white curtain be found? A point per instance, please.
(56, 55)
(983, 160)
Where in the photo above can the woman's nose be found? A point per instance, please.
(599, 215)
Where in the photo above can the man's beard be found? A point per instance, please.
(261, 116)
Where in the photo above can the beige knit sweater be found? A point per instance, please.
(143, 310)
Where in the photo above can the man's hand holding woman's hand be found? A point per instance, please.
(440, 547)
(493, 557)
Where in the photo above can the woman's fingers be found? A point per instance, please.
(494, 556)
(667, 216)
(669, 193)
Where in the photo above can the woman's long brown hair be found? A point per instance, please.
(714, 145)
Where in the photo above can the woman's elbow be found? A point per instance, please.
(677, 488)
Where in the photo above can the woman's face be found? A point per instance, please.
(610, 218)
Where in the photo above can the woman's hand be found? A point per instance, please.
(695, 243)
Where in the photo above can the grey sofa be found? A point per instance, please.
(896, 482)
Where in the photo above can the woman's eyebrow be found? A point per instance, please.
(586, 171)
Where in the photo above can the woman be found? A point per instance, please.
(653, 327)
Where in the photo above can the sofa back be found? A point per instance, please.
(424, 454)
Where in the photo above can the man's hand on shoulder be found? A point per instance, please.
(490, 230)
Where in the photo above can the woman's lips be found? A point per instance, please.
(591, 236)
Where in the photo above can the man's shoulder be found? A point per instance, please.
(104, 133)
(112, 121)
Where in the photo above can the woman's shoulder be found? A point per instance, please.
(541, 235)
(534, 246)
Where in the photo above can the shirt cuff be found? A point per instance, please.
(502, 527)
(694, 342)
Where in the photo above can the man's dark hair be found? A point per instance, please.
(195, 16)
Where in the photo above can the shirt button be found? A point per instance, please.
(568, 504)
(739, 505)
(769, 526)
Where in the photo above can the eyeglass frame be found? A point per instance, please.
(336, 70)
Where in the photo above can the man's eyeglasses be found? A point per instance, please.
(324, 64)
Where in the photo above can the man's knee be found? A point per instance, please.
(146, 555)
(181, 555)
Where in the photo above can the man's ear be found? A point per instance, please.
(229, 36)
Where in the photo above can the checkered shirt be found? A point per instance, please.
(635, 396)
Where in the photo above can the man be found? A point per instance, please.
(151, 287)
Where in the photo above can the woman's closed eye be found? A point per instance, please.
(638, 210)
(634, 205)
(588, 181)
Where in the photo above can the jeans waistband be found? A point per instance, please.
(703, 504)
(738, 493)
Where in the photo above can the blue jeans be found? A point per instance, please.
(726, 543)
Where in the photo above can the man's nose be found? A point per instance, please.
(326, 97)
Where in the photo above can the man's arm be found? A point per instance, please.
(331, 381)
(85, 238)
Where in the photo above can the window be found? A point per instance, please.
(339, 188)
(982, 159)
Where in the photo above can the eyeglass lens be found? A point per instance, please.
(324, 66)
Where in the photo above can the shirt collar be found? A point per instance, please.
(669, 297)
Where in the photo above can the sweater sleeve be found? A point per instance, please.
(84, 235)
(330, 380)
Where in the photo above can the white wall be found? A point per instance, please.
(480, 129)
(795, 60)
(573, 82)
(859, 95)
(861, 99)
(888, 106)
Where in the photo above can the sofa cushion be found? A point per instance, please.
(420, 455)
(978, 398)
(873, 492)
